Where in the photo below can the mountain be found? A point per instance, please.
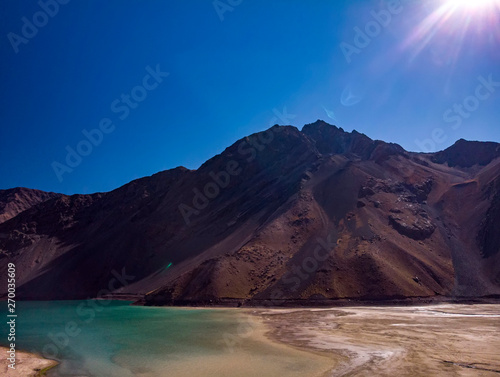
(17, 200)
(283, 217)
(466, 154)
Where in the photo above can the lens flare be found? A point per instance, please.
(451, 25)
(471, 5)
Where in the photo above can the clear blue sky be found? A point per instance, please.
(230, 71)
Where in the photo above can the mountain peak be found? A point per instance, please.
(466, 153)
(330, 139)
(320, 125)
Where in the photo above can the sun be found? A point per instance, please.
(449, 25)
(470, 5)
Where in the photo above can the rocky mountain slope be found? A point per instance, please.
(282, 216)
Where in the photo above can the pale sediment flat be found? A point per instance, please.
(27, 364)
(438, 340)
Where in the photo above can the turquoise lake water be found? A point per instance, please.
(114, 339)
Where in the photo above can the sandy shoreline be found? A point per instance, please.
(27, 364)
(444, 340)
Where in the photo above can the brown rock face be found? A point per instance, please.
(282, 216)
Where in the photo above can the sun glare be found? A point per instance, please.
(471, 5)
(450, 23)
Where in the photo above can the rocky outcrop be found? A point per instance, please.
(417, 228)
(406, 192)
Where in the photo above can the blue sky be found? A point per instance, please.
(234, 67)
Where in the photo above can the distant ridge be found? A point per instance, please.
(16, 200)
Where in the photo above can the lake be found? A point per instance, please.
(112, 338)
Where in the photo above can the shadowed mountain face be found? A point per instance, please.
(466, 154)
(282, 215)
